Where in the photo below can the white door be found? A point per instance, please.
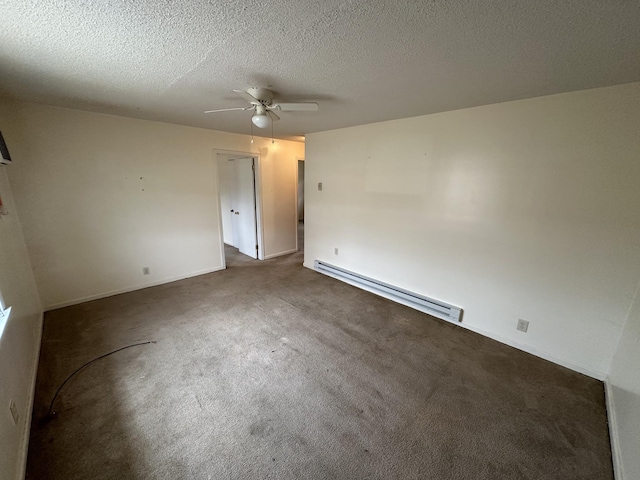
(244, 207)
(227, 186)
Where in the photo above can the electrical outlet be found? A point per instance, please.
(335, 250)
(145, 270)
(14, 412)
(523, 325)
(319, 185)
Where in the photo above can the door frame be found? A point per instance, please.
(298, 160)
(257, 175)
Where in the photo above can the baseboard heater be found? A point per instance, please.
(419, 302)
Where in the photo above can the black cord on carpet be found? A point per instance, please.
(89, 363)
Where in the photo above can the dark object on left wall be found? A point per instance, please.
(6, 158)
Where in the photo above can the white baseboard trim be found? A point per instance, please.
(525, 348)
(24, 448)
(538, 353)
(613, 431)
(111, 293)
(273, 255)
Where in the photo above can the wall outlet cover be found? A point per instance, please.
(523, 325)
(145, 270)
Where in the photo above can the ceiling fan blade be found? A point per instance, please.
(252, 100)
(229, 109)
(297, 107)
(273, 116)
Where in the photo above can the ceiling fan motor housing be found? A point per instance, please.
(264, 95)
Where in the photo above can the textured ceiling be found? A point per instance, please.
(363, 61)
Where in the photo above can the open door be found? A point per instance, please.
(245, 232)
(240, 208)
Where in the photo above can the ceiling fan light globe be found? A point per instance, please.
(261, 120)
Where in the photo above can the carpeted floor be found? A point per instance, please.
(268, 370)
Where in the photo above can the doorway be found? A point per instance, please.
(237, 183)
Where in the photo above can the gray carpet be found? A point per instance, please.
(269, 370)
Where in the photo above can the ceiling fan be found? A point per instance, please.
(261, 101)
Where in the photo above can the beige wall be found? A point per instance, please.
(102, 196)
(624, 397)
(525, 209)
(20, 340)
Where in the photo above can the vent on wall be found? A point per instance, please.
(419, 302)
